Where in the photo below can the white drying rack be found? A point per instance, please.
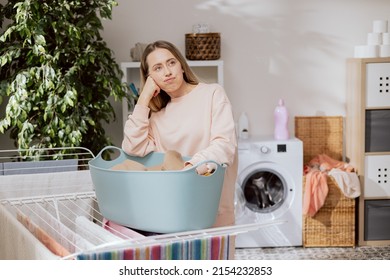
(52, 190)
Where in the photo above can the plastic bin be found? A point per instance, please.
(156, 201)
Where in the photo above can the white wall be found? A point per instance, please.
(291, 49)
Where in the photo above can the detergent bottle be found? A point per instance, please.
(243, 126)
(281, 121)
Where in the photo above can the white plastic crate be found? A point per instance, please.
(378, 85)
(377, 176)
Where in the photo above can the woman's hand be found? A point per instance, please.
(150, 90)
(203, 169)
(187, 165)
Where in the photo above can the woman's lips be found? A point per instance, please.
(169, 80)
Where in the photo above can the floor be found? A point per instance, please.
(300, 253)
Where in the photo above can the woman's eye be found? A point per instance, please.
(157, 69)
(172, 63)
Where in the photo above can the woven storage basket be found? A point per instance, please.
(203, 46)
(334, 224)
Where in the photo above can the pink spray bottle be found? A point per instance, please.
(281, 122)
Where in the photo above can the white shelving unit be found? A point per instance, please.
(209, 71)
(367, 144)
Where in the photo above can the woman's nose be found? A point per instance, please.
(167, 71)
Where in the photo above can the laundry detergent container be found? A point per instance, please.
(156, 201)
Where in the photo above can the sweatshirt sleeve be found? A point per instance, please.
(138, 140)
(223, 141)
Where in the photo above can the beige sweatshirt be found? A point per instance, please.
(200, 125)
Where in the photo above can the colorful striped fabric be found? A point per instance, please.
(209, 248)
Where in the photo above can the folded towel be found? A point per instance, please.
(129, 165)
(172, 161)
(64, 235)
(120, 231)
(50, 243)
(93, 232)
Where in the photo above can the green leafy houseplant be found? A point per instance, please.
(57, 73)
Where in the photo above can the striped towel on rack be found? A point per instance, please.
(208, 248)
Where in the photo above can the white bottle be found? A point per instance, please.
(281, 122)
(243, 126)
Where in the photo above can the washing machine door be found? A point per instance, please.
(265, 190)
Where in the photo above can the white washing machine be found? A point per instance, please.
(269, 188)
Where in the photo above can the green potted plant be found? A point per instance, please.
(57, 74)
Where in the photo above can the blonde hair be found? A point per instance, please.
(162, 99)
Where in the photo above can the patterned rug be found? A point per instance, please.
(300, 253)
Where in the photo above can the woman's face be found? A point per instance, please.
(166, 71)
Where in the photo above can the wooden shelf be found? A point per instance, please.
(366, 93)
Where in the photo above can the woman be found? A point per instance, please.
(177, 112)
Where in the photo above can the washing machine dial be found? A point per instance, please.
(264, 149)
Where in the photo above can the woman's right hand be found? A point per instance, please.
(150, 90)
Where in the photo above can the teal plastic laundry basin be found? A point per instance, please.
(156, 201)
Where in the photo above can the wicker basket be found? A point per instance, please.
(203, 46)
(320, 135)
(334, 224)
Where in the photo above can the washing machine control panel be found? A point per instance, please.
(282, 148)
(264, 149)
